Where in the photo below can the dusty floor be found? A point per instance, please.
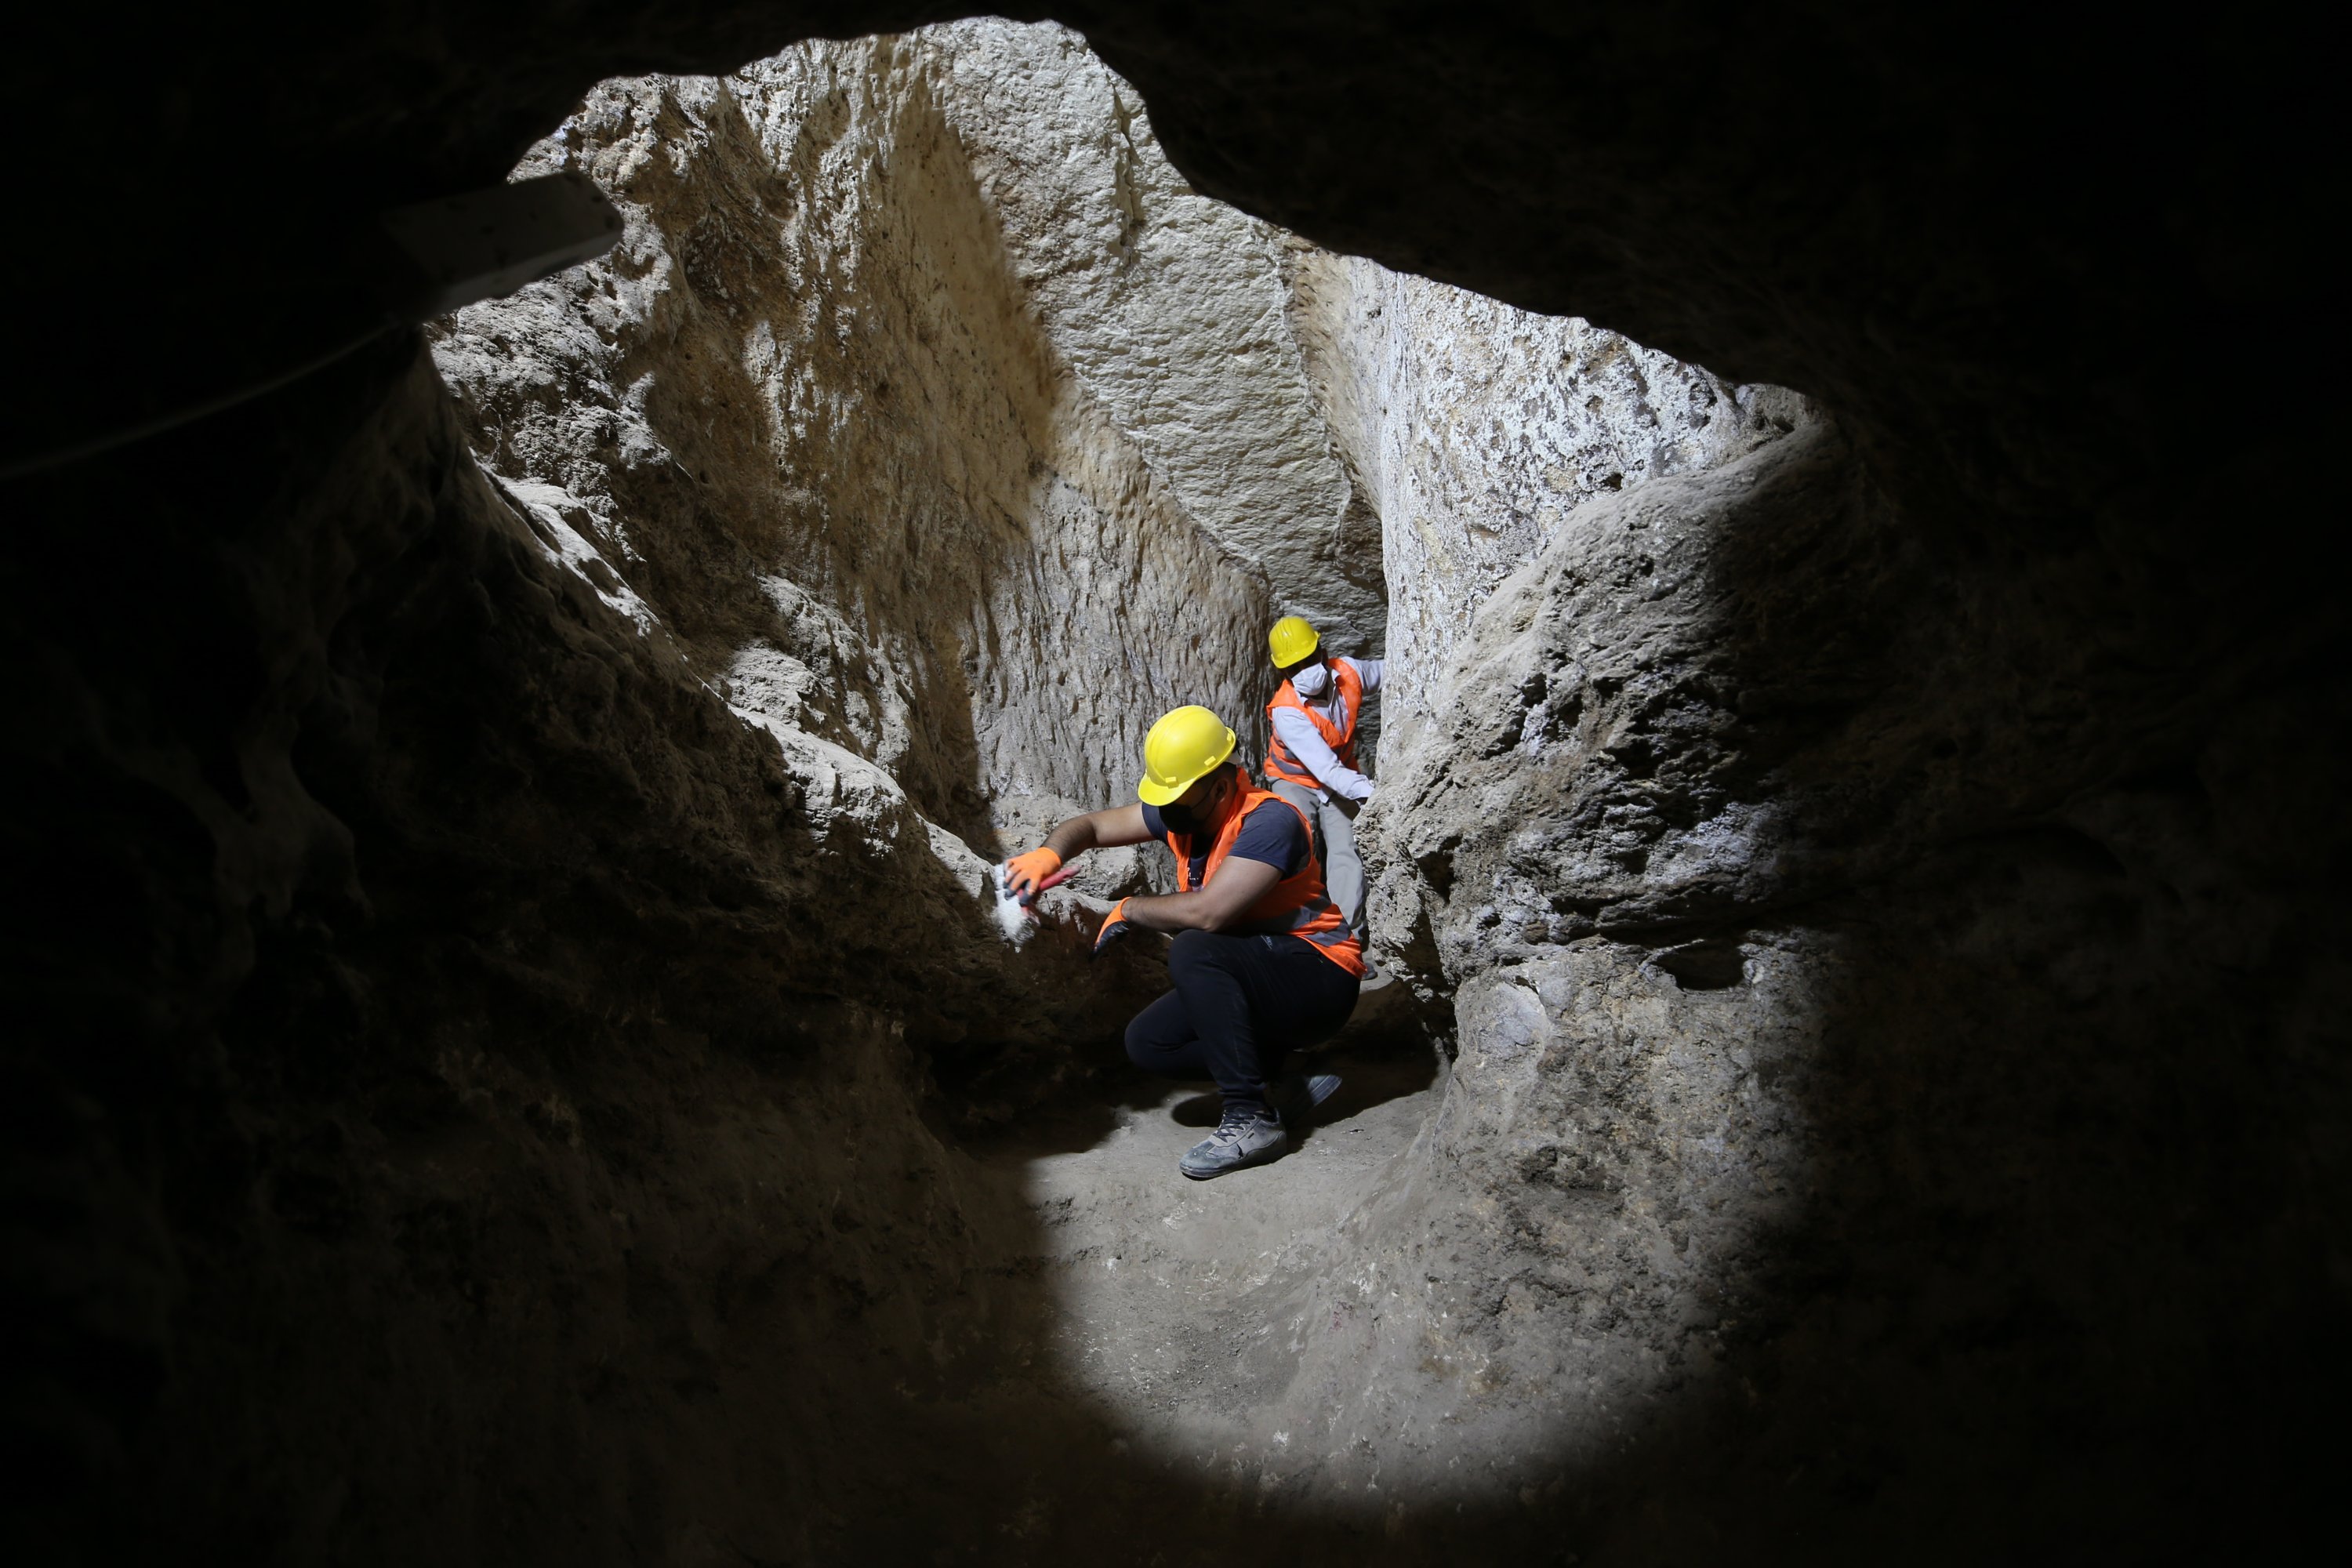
(1162, 1286)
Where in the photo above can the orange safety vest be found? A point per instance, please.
(1279, 762)
(1296, 906)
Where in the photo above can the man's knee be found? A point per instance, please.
(1142, 1045)
(1158, 1033)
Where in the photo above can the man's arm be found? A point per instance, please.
(1238, 884)
(1270, 844)
(1093, 830)
(1305, 742)
(1105, 829)
(1370, 669)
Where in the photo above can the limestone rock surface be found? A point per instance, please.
(808, 408)
(1470, 430)
(930, 417)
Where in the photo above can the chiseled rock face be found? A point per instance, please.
(928, 409)
(805, 412)
(1598, 769)
(1170, 308)
(1584, 847)
(924, 399)
(925, 415)
(1471, 431)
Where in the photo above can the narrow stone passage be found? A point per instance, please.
(521, 1050)
(932, 419)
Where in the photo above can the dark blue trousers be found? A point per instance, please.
(1241, 1005)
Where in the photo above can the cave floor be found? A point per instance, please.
(1163, 1287)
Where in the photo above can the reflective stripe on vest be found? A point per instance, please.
(1279, 762)
(1296, 906)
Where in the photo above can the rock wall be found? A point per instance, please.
(595, 958)
(925, 409)
(809, 413)
(1470, 431)
(923, 384)
(1802, 1016)
(924, 399)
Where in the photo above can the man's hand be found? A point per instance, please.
(1115, 925)
(1024, 875)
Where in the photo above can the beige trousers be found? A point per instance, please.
(1335, 847)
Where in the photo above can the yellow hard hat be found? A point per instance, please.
(1292, 639)
(1182, 749)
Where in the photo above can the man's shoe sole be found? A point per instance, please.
(1272, 1152)
(1254, 1161)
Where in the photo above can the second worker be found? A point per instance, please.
(1312, 759)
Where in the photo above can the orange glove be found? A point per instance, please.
(1114, 926)
(1033, 868)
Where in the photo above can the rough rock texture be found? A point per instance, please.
(947, 281)
(605, 851)
(458, 1108)
(439, 1102)
(808, 412)
(1812, 1025)
(1470, 430)
(1110, 428)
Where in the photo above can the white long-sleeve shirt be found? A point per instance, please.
(1306, 741)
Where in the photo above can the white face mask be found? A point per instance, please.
(1310, 682)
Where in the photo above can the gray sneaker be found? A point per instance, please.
(1297, 1094)
(1242, 1138)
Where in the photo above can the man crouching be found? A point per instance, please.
(1262, 962)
